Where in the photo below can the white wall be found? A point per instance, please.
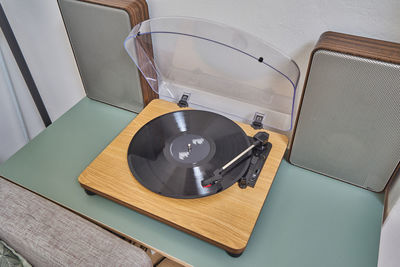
(40, 32)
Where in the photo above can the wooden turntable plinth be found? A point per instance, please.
(225, 219)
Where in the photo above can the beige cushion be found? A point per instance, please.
(49, 235)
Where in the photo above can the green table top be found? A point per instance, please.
(307, 220)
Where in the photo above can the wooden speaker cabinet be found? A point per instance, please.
(348, 125)
(97, 30)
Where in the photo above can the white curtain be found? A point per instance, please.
(19, 118)
(41, 35)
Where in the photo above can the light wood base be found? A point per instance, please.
(225, 219)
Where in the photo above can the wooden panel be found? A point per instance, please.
(359, 46)
(225, 219)
(137, 9)
(138, 12)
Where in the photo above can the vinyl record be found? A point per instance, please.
(173, 153)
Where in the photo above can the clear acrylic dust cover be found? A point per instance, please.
(222, 69)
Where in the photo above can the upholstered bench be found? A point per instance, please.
(46, 234)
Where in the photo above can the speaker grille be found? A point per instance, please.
(97, 34)
(349, 123)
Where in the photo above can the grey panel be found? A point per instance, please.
(97, 35)
(349, 124)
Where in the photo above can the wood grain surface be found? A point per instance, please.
(359, 46)
(225, 219)
(138, 12)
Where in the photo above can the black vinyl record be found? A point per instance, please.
(173, 153)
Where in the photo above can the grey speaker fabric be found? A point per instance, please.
(349, 123)
(49, 235)
(97, 35)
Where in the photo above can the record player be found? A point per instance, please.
(203, 157)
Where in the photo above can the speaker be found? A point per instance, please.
(348, 125)
(97, 30)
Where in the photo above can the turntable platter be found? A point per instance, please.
(173, 153)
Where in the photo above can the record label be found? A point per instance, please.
(189, 148)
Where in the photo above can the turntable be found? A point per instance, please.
(203, 157)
